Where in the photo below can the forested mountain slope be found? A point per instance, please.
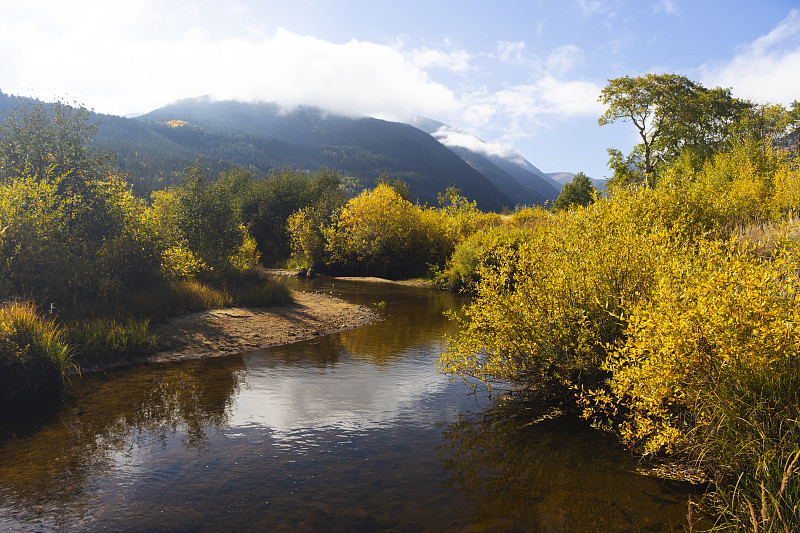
(154, 148)
(361, 149)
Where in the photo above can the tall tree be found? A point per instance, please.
(671, 114)
(52, 141)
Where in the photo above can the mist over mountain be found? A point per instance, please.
(511, 173)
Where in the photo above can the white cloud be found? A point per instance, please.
(523, 111)
(563, 59)
(570, 98)
(766, 70)
(511, 52)
(666, 6)
(106, 65)
(547, 99)
(457, 60)
(139, 59)
(450, 136)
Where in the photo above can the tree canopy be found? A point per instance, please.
(672, 114)
(579, 191)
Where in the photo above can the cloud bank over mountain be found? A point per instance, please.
(526, 75)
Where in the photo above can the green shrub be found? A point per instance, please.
(480, 248)
(269, 203)
(205, 217)
(491, 233)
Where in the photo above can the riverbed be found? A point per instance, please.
(353, 431)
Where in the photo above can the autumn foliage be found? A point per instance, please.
(663, 324)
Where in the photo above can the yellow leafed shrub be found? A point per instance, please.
(380, 233)
(547, 307)
(717, 315)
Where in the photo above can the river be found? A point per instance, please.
(353, 431)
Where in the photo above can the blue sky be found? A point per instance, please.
(521, 75)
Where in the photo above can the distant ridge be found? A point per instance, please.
(565, 177)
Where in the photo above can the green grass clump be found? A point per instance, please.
(33, 355)
(103, 339)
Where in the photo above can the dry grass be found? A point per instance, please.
(767, 235)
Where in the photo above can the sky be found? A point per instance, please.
(519, 75)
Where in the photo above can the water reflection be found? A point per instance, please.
(338, 433)
(108, 417)
(409, 322)
(528, 470)
(351, 395)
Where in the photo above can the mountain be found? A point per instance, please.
(512, 174)
(563, 178)
(264, 137)
(155, 147)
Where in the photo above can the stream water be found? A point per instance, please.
(349, 432)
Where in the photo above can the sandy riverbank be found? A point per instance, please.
(235, 329)
(219, 332)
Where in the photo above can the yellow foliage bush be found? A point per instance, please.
(380, 233)
(305, 227)
(750, 182)
(527, 217)
(717, 315)
(673, 334)
(785, 199)
(246, 255)
(546, 308)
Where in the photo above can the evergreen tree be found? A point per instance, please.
(579, 191)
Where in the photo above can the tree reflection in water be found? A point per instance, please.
(527, 470)
(406, 324)
(51, 465)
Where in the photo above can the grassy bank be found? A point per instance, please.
(33, 354)
(37, 348)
